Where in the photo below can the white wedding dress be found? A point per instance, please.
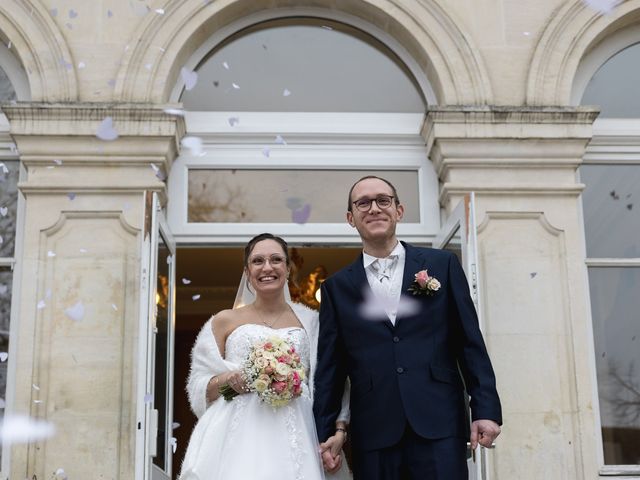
(245, 438)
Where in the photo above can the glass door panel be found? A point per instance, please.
(459, 236)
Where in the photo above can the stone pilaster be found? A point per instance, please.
(522, 162)
(77, 331)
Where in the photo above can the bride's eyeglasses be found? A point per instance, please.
(274, 260)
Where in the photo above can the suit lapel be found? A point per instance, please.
(412, 264)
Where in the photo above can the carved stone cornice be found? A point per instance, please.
(513, 151)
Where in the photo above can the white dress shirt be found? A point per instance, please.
(385, 278)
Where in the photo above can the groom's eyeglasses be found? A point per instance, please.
(383, 201)
(274, 260)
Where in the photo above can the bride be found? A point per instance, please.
(245, 438)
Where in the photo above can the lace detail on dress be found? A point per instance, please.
(296, 450)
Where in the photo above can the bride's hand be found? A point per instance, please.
(331, 451)
(237, 382)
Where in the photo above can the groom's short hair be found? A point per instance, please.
(393, 189)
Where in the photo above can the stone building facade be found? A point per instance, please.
(503, 115)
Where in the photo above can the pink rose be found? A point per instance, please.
(268, 346)
(297, 390)
(279, 387)
(422, 277)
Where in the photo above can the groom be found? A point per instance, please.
(409, 369)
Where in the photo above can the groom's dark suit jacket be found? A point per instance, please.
(409, 372)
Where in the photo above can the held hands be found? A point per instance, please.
(330, 451)
(484, 432)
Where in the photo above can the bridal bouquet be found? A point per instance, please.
(273, 370)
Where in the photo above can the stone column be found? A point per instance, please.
(522, 162)
(76, 352)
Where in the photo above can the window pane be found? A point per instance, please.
(304, 65)
(615, 305)
(8, 201)
(6, 276)
(611, 204)
(7, 93)
(615, 87)
(161, 350)
(283, 196)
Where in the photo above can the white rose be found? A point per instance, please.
(283, 369)
(433, 284)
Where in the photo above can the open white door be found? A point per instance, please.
(154, 440)
(459, 236)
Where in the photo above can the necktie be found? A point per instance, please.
(383, 268)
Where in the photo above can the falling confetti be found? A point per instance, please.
(60, 475)
(3, 289)
(175, 111)
(148, 66)
(533, 274)
(158, 172)
(159, 11)
(279, 140)
(186, 281)
(194, 144)
(35, 387)
(236, 86)
(23, 429)
(76, 312)
(189, 77)
(266, 151)
(106, 131)
(65, 64)
(41, 304)
(175, 425)
(148, 398)
(375, 308)
(225, 65)
(81, 65)
(4, 211)
(4, 356)
(57, 161)
(174, 444)
(113, 305)
(51, 253)
(233, 121)
(71, 195)
(73, 14)
(300, 216)
(83, 250)
(286, 92)
(195, 297)
(109, 13)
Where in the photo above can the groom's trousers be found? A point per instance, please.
(414, 458)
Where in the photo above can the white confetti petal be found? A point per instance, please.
(175, 425)
(75, 312)
(194, 144)
(189, 77)
(51, 253)
(279, 140)
(35, 387)
(4, 168)
(4, 211)
(175, 111)
(148, 398)
(266, 151)
(81, 65)
(236, 86)
(174, 444)
(602, 6)
(60, 474)
(225, 65)
(233, 121)
(169, 260)
(113, 305)
(3, 356)
(159, 11)
(148, 66)
(41, 304)
(195, 297)
(83, 250)
(57, 161)
(375, 308)
(23, 429)
(106, 130)
(37, 401)
(186, 281)
(286, 92)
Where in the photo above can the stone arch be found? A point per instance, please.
(573, 31)
(42, 50)
(444, 53)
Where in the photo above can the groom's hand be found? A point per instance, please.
(484, 432)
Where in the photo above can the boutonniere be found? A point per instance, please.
(424, 284)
